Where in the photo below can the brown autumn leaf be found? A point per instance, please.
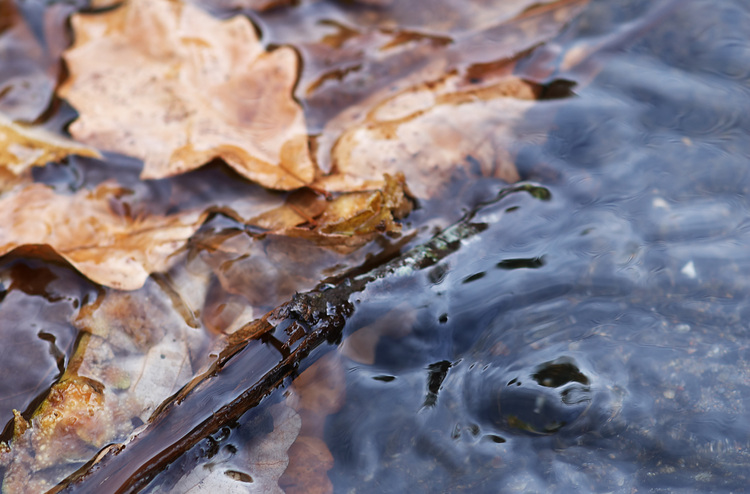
(438, 91)
(346, 222)
(70, 426)
(304, 241)
(427, 133)
(109, 247)
(166, 82)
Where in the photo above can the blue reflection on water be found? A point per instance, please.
(643, 291)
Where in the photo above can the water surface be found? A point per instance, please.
(595, 341)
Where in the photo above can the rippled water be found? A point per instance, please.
(592, 339)
(596, 341)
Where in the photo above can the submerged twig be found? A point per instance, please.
(255, 361)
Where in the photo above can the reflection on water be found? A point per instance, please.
(591, 339)
(595, 342)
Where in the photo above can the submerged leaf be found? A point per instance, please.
(427, 135)
(318, 392)
(108, 247)
(133, 352)
(163, 81)
(254, 469)
(429, 105)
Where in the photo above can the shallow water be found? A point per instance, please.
(591, 339)
(596, 341)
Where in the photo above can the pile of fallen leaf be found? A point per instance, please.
(262, 166)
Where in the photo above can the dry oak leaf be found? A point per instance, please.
(109, 248)
(166, 82)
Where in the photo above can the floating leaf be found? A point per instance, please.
(109, 247)
(346, 222)
(167, 83)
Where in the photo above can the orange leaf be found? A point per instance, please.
(166, 82)
(108, 248)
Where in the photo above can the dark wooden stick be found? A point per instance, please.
(255, 361)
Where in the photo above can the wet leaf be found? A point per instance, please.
(166, 82)
(306, 239)
(70, 426)
(106, 245)
(345, 223)
(135, 350)
(405, 104)
(427, 135)
(309, 463)
(39, 302)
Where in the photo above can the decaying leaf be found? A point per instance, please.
(346, 222)
(109, 247)
(23, 146)
(70, 426)
(163, 81)
(134, 351)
